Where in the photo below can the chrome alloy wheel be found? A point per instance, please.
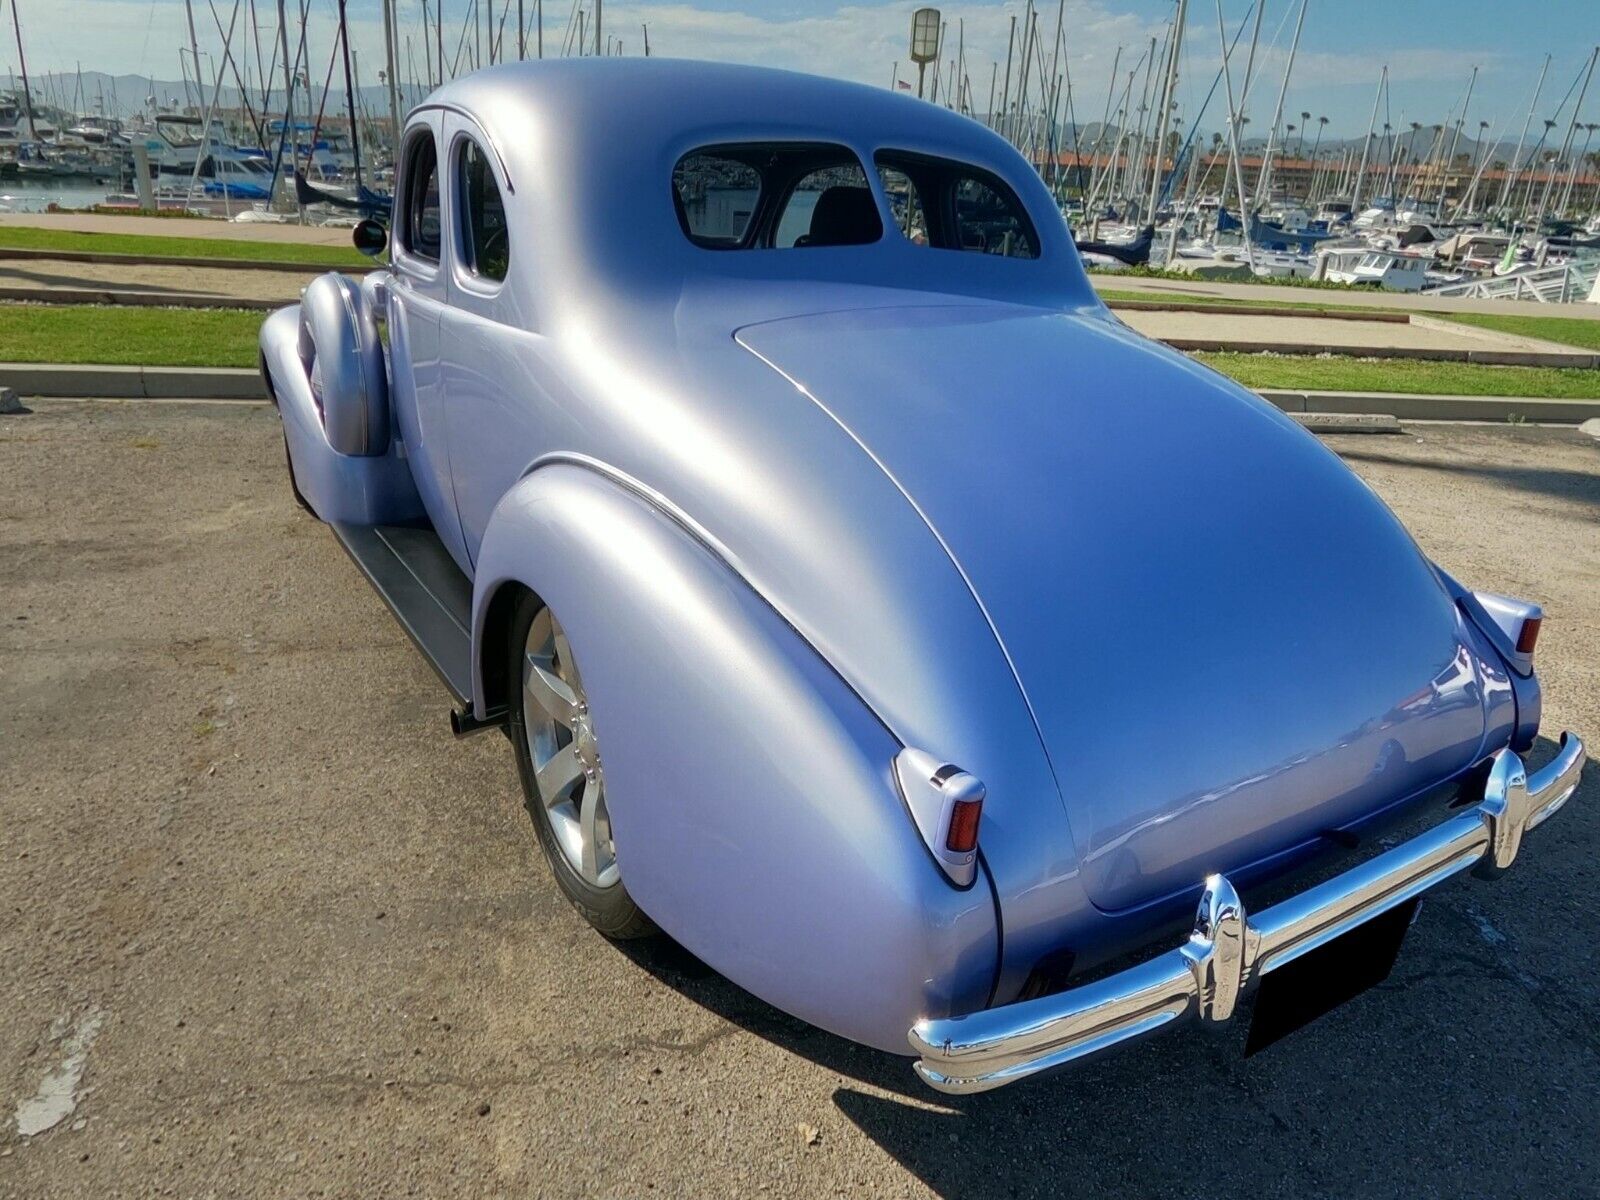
(566, 758)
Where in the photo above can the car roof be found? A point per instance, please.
(614, 106)
(587, 147)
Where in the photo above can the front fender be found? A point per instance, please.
(750, 790)
(361, 489)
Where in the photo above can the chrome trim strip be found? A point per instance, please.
(1229, 951)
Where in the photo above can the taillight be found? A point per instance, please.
(947, 804)
(963, 835)
(1528, 636)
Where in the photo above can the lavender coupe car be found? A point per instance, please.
(867, 607)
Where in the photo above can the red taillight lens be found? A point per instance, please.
(1529, 635)
(963, 835)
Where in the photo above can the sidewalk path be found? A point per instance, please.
(47, 275)
(184, 227)
(1229, 330)
(1266, 293)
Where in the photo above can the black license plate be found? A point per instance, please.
(1319, 981)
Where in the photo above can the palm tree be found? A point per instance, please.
(1305, 119)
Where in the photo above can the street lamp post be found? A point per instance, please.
(925, 25)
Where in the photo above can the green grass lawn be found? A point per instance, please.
(1403, 375)
(188, 337)
(22, 237)
(1569, 331)
(149, 337)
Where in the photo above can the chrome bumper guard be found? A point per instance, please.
(1228, 952)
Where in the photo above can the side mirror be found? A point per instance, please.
(370, 237)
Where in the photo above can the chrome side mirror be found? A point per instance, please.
(370, 237)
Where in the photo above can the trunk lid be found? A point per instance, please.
(1228, 643)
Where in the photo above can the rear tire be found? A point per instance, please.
(558, 762)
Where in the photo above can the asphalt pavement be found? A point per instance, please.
(270, 931)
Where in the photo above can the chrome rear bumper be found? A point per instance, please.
(1228, 952)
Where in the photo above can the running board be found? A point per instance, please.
(426, 591)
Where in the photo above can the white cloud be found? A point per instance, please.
(855, 41)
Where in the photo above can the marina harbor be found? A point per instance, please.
(1172, 174)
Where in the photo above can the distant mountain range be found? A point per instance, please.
(124, 95)
(1416, 143)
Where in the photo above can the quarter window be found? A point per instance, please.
(421, 225)
(486, 245)
(958, 207)
(905, 202)
(716, 197)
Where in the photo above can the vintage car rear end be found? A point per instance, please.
(945, 639)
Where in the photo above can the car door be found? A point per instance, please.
(418, 295)
(494, 375)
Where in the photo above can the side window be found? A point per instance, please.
(716, 198)
(905, 202)
(485, 238)
(421, 223)
(950, 206)
(991, 221)
(830, 206)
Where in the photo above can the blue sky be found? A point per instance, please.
(1430, 45)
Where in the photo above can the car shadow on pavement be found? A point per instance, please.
(1389, 1095)
(1580, 487)
(685, 974)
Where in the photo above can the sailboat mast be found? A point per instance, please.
(288, 91)
(1366, 145)
(22, 63)
(1516, 159)
(1244, 100)
(1233, 144)
(1455, 141)
(1168, 92)
(350, 90)
(1264, 179)
(200, 155)
(1572, 126)
(391, 48)
(1100, 134)
(194, 53)
(1005, 92)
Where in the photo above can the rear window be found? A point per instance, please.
(763, 196)
(949, 205)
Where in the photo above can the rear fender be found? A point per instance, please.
(750, 790)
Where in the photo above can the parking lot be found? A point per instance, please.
(287, 937)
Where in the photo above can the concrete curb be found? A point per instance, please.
(1531, 345)
(244, 383)
(178, 260)
(1578, 360)
(1438, 408)
(131, 299)
(133, 383)
(1263, 310)
(1347, 422)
